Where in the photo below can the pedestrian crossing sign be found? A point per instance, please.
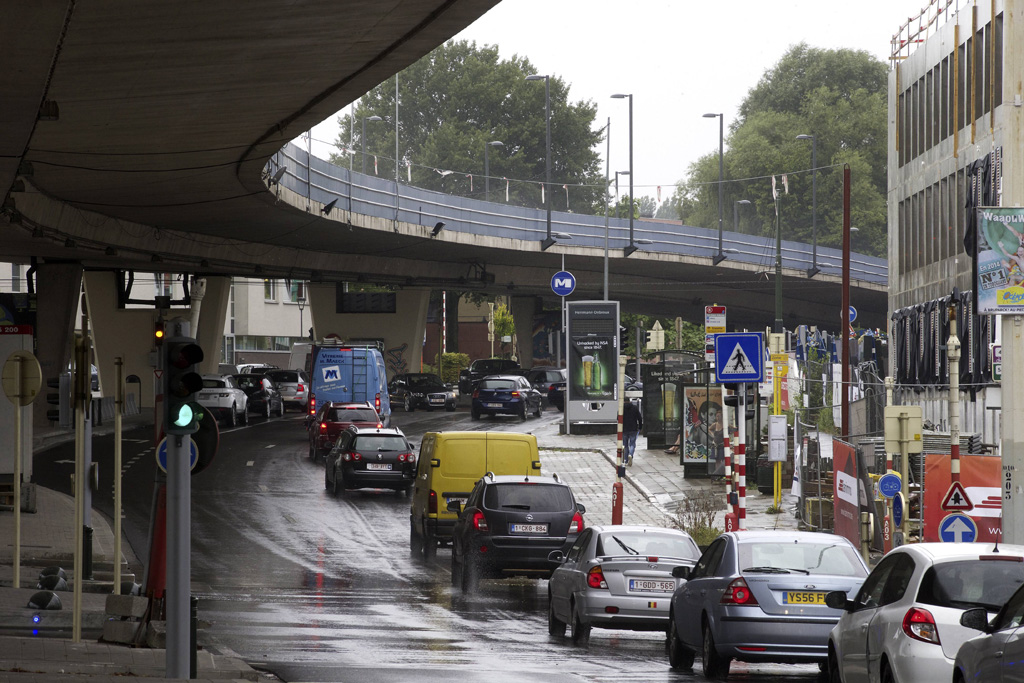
(739, 357)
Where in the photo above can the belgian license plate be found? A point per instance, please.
(529, 528)
(494, 405)
(461, 501)
(378, 466)
(802, 598)
(651, 586)
(437, 400)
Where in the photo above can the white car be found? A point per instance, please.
(222, 396)
(904, 624)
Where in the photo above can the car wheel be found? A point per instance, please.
(429, 548)
(536, 413)
(327, 481)
(456, 571)
(266, 410)
(833, 667)
(450, 407)
(245, 416)
(679, 656)
(556, 627)
(470, 575)
(312, 453)
(522, 411)
(415, 542)
(280, 409)
(716, 667)
(578, 631)
(887, 675)
(409, 407)
(474, 414)
(233, 416)
(335, 489)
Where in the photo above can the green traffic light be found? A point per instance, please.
(184, 417)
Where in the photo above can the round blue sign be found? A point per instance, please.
(889, 485)
(853, 314)
(897, 510)
(563, 283)
(161, 454)
(957, 528)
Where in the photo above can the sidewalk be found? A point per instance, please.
(653, 488)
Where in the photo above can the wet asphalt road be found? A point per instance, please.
(315, 588)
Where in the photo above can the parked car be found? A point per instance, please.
(904, 623)
(449, 465)
(421, 390)
(256, 368)
(509, 527)
(332, 419)
(542, 379)
(997, 654)
(293, 385)
(505, 394)
(617, 577)
(759, 596)
(370, 457)
(264, 398)
(478, 369)
(222, 397)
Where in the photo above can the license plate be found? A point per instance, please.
(651, 586)
(494, 405)
(461, 501)
(802, 598)
(529, 528)
(378, 466)
(437, 400)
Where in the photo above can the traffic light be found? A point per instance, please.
(60, 396)
(158, 333)
(182, 414)
(623, 338)
(733, 400)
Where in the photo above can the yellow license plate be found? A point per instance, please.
(802, 598)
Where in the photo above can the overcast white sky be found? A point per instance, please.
(679, 58)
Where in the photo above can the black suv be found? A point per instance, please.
(370, 457)
(414, 390)
(478, 369)
(510, 525)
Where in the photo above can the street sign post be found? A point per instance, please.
(957, 528)
(739, 357)
(161, 454)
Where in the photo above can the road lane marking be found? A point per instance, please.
(250, 463)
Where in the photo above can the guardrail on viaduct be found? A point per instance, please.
(323, 182)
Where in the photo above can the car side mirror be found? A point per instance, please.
(455, 506)
(556, 556)
(837, 600)
(448, 386)
(976, 618)
(581, 508)
(681, 572)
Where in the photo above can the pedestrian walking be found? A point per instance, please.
(632, 423)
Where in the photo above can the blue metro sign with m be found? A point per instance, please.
(331, 373)
(563, 283)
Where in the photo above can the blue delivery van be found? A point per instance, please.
(349, 373)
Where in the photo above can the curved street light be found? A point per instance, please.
(487, 168)
(631, 247)
(549, 240)
(813, 270)
(719, 257)
(365, 119)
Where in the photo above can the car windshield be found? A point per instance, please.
(528, 496)
(351, 415)
(971, 583)
(213, 384)
(424, 380)
(380, 442)
(249, 382)
(505, 384)
(642, 543)
(489, 365)
(800, 557)
(283, 376)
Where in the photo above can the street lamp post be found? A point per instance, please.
(487, 168)
(813, 270)
(735, 219)
(631, 247)
(549, 240)
(301, 301)
(365, 119)
(607, 165)
(617, 174)
(719, 257)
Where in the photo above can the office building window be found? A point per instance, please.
(296, 291)
(269, 290)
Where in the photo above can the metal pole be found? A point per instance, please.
(607, 169)
(721, 165)
(547, 162)
(179, 559)
(778, 268)
(362, 141)
(18, 455)
(741, 457)
(620, 469)
(814, 206)
(487, 173)
(118, 409)
(631, 248)
(953, 352)
(844, 322)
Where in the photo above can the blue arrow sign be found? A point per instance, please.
(161, 454)
(853, 314)
(739, 357)
(957, 528)
(889, 485)
(897, 510)
(563, 283)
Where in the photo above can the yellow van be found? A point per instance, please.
(450, 463)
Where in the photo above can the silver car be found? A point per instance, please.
(759, 596)
(222, 396)
(904, 626)
(996, 655)
(293, 385)
(617, 577)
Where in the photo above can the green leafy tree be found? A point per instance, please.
(839, 96)
(646, 206)
(456, 100)
(504, 325)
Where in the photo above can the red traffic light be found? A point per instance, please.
(183, 355)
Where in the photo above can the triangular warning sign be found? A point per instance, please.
(738, 363)
(956, 499)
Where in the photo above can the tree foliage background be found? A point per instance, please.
(839, 96)
(452, 103)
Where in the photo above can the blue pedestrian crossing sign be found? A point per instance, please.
(957, 528)
(739, 357)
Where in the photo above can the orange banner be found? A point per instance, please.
(981, 479)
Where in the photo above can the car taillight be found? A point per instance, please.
(356, 455)
(551, 387)
(476, 393)
(920, 625)
(595, 578)
(432, 503)
(576, 525)
(738, 593)
(300, 387)
(323, 426)
(406, 457)
(480, 522)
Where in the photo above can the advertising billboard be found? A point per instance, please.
(981, 476)
(592, 361)
(1000, 253)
